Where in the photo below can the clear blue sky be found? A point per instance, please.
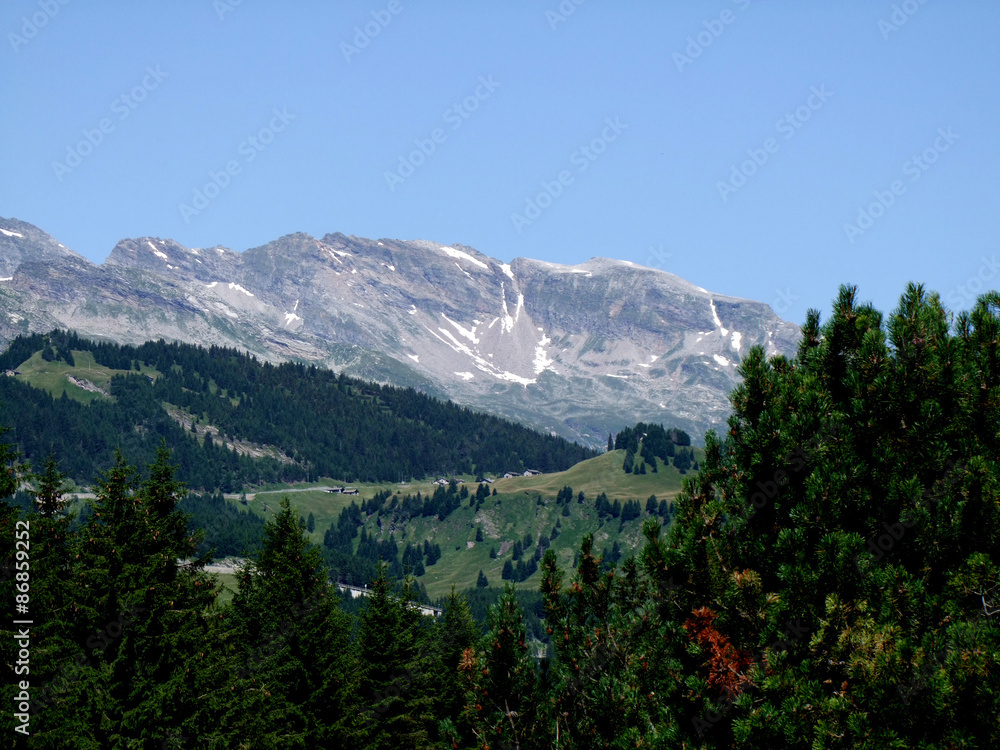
(650, 190)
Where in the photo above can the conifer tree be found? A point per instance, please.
(146, 607)
(502, 697)
(391, 699)
(294, 636)
(454, 635)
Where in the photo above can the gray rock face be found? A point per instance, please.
(580, 351)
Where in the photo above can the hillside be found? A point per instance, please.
(234, 422)
(504, 519)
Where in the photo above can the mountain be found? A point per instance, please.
(578, 351)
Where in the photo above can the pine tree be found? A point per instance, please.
(502, 689)
(482, 582)
(391, 705)
(294, 635)
(147, 608)
(454, 635)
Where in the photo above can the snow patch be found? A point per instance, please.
(453, 253)
(542, 361)
(156, 252)
(391, 268)
(238, 288)
(7, 278)
(737, 340)
(195, 251)
(14, 234)
(465, 375)
(508, 320)
(414, 357)
(291, 317)
(463, 270)
(507, 271)
(620, 377)
(381, 245)
(715, 317)
(662, 406)
(212, 285)
(721, 360)
(516, 378)
(470, 335)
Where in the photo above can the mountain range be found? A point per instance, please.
(578, 351)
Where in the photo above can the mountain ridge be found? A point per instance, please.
(577, 350)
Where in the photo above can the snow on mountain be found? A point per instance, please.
(577, 350)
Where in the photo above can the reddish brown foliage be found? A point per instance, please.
(727, 665)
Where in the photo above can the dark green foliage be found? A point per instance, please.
(482, 582)
(507, 573)
(292, 637)
(502, 688)
(391, 705)
(228, 531)
(336, 426)
(479, 534)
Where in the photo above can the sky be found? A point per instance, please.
(771, 151)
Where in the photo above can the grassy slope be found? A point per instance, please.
(505, 518)
(52, 376)
(601, 474)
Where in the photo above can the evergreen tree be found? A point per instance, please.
(507, 573)
(144, 609)
(502, 688)
(482, 582)
(392, 701)
(454, 638)
(294, 637)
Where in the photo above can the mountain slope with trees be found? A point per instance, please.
(327, 424)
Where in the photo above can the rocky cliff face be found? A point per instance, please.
(577, 350)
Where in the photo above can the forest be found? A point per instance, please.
(830, 579)
(326, 424)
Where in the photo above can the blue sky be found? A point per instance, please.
(764, 150)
